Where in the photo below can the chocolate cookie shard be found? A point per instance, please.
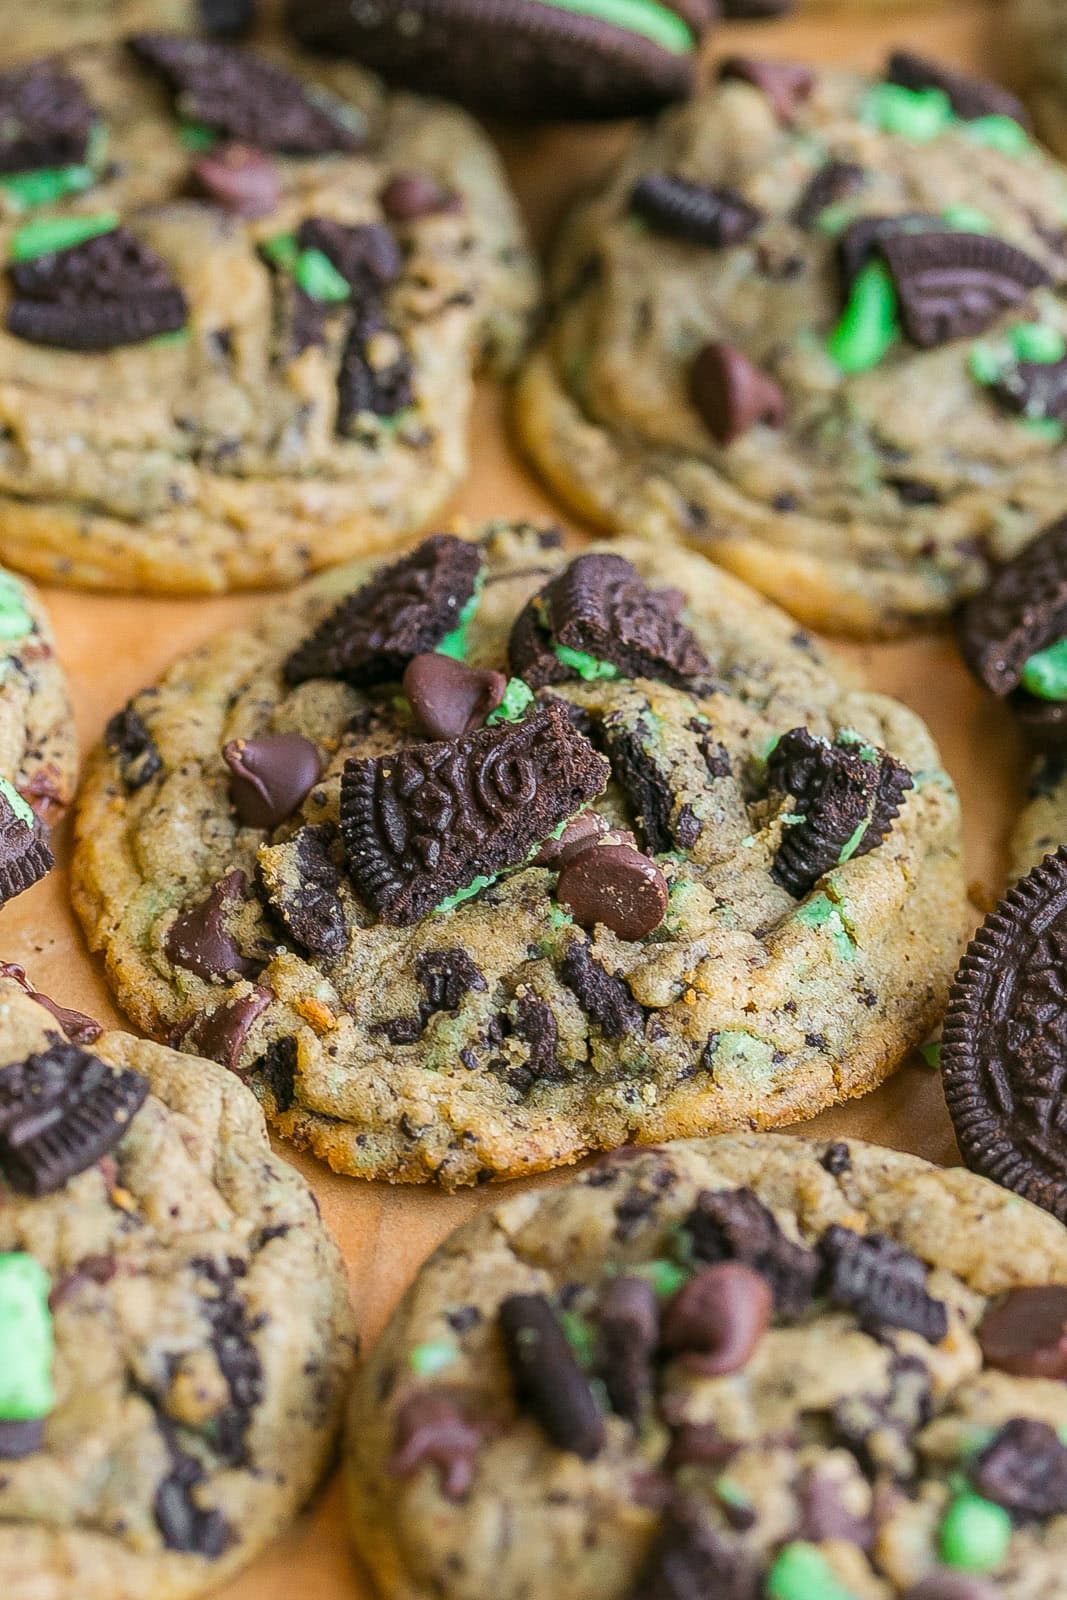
(693, 211)
(46, 119)
(548, 1381)
(733, 1225)
(1023, 610)
(60, 1111)
(437, 819)
(245, 98)
(884, 1284)
(970, 98)
(846, 797)
(952, 284)
(109, 291)
(25, 854)
(128, 739)
(1026, 1334)
(1002, 1059)
(604, 997)
(833, 182)
(628, 1337)
(859, 244)
(407, 609)
(303, 887)
(599, 615)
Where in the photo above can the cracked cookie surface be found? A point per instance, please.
(495, 1036)
(203, 1337)
(800, 1368)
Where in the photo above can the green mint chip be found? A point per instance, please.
(802, 1572)
(427, 1360)
(454, 643)
(26, 191)
(320, 279)
(1045, 674)
(585, 665)
(15, 619)
(658, 23)
(931, 1054)
(870, 325)
(26, 1340)
(48, 235)
(518, 697)
(975, 1534)
(998, 133)
(197, 138)
(986, 362)
(451, 901)
(916, 114)
(1034, 341)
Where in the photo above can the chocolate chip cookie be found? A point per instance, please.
(813, 326)
(33, 30)
(175, 1332)
(244, 300)
(745, 1367)
(495, 856)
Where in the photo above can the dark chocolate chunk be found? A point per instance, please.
(184, 1523)
(409, 196)
(1034, 389)
(404, 611)
(693, 211)
(732, 394)
(1024, 1469)
(45, 119)
(200, 939)
(78, 1028)
(239, 178)
(434, 1428)
(110, 291)
(717, 1319)
(303, 886)
(837, 1160)
(535, 1024)
(246, 98)
(276, 1069)
(884, 1284)
(129, 741)
(970, 98)
(61, 1110)
(628, 1336)
(605, 999)
(733, 1225)
(833, 182)
(614, 886)
(271, 777)
(786, 84)
(548, 1381)
(951, 285)
(220, 1034)
(367, 386)
(1026, 1334)
(690, 1561)
(226, 1313)
(600, 607)
(848, 794)
(366, 254)
(1003, 1063)
(448, 697)
(21, 1439)
(25, 854)
(426, 822)
(1022, 611)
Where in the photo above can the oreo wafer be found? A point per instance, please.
(25, 855)
(521, 58)
(1002, 1056)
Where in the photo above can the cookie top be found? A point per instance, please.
(176, 1399)
(754, 1367)
(813, 325)
(1042, 823)
(477, 923)
(279, 278)
(34, 30)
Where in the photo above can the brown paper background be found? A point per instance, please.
(112, 646)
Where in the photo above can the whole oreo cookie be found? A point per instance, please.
(1002, 1057)
(521, 58)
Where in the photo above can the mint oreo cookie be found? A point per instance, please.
(533, 58)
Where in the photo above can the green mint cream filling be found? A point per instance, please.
(18, 805)
(657, 23)
(454, 643)
(1045, 674)
(15, 620)
(585, 665)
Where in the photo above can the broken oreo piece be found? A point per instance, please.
(365, 254)
(735, 1225)
(694, 212)
(548, 1381)
(952, 284)
(1024, 1469)
(405, 610)
(60, 1111)
(435, 819)
(376, 377)
(599, 618)
(302, 886)
(847, 796)
(1002, 1059)
(970, 98)
(245, 98)
(109, 291)
(1033, 389)
(1021, 611)
(884, 1284)
(25, 854)
(833, 182)
(227, 19)
(45, 119)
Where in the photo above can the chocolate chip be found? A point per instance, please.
(884, 1284)
(718, 1318)
(110, 291)
(434, 1428)
(628, 1328)
(21, 1439)
(220, 1034)
(614, 885)
(1026, 1333)
(1024, 1469)
(732, 395)
(833, 182)
(271, 776)
(302, 886)
(128, 739)
(25, 854)
(734, 1225)
(548, 1381)
(366, 254)
(404, 611)
(603, 997)
(409, 196)
(951, 285)
(786, 84)
(695, 212)
(837, 1160)
(245, 98)
(970, 98)
(46, 119)
(200, 941)
(92, 1269)
(580, 834)
(423, 823)
(60, 1111)
(448, 697)
(78, 1028)
(699, 1444)
(240, 179)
